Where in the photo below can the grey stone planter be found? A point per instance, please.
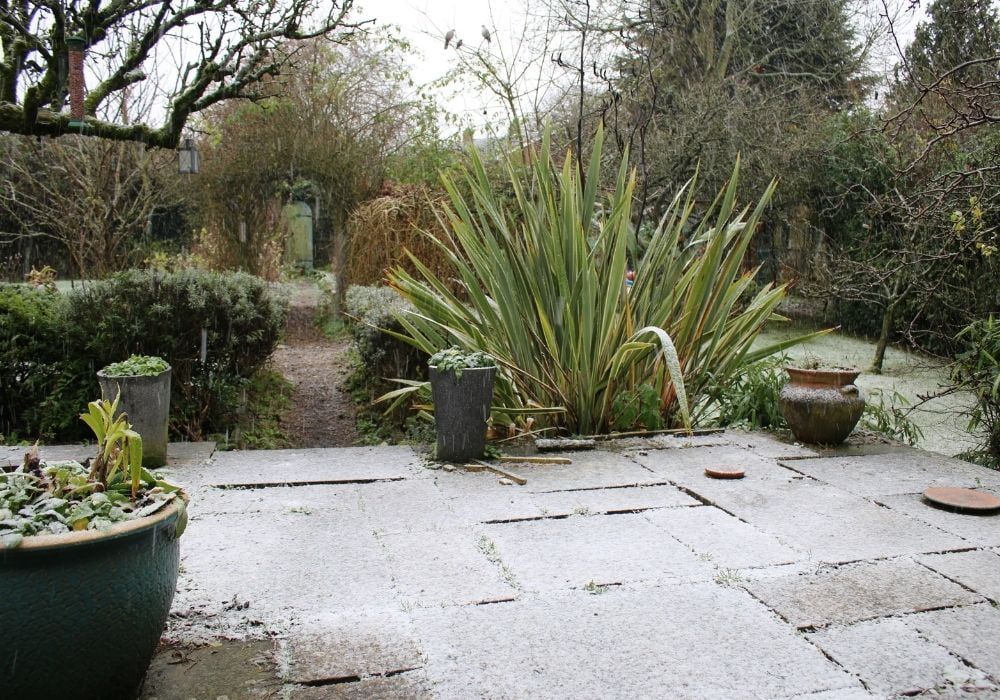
(146, 400)
(461, 409)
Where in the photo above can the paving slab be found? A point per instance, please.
(665, 442)
(410, 582)
(238, 669)
(52, 453)
(479, 497)
(301, 500)
(12, 455)
(326, 465)
(622, 644)
(612, 500)
(858, 592)
(685, 466)
(828, 523)
(589, 470)
(282, 564)
(722, 539)
(969, 632)
(190, 452)
(406, 506)
(978, 570)
(860, 444)
(444, 567)
(178, 453)
(975, 530)
(767, 445)
(574, 552)
(57, 453)
(893, 659)
(852, 693)
(895, 473)
(412, 685)
(340, 646)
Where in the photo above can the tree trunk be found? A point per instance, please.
(888, 316)
(883, 339)
(339, 261)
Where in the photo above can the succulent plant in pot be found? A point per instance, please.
(88, 565)
(143, 384)
(462, 390)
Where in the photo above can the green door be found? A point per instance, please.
(299, 245)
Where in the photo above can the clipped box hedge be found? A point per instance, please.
(52, 345)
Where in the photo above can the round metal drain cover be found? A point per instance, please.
(962, 499)
(725, 472)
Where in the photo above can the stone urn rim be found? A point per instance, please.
(826, 376)
(38, 543)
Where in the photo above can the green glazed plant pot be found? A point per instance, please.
(81, 613)
(146, 400)
(461, 409)
(821, 407)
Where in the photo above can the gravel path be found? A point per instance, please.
(321, 415)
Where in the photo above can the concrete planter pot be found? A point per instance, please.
(146, 400)
(461, 409)
(821, 406)
(83, 612)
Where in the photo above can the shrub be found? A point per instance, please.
(52, 345)
(149, 313)
(43, 381)
(373, 311)
(750, 399)
(891, 419)
(381, 230)
(544, 279)
(977, 370)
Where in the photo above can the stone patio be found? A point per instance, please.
(361, 572)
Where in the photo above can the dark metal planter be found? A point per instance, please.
(821, 406)
(81, 613)
(146, 400)
(461, 409)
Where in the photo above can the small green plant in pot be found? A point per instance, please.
(143, 384)
(462, 391)
(89, 559)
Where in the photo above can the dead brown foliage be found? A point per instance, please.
(380, 230)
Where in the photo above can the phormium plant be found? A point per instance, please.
(544, 293)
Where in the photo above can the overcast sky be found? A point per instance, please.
(424, 23)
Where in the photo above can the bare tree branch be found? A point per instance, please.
(228, 48)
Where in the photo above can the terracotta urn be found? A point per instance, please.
(821, 406)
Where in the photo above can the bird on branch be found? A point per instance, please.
(448, 37)
(486, 34)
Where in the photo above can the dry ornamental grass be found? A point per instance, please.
(382, 229)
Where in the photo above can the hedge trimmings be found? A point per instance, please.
(137, 366)
(456, 359)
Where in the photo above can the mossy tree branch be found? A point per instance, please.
(227, 49)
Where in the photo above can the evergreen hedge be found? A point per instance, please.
(51, 346)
